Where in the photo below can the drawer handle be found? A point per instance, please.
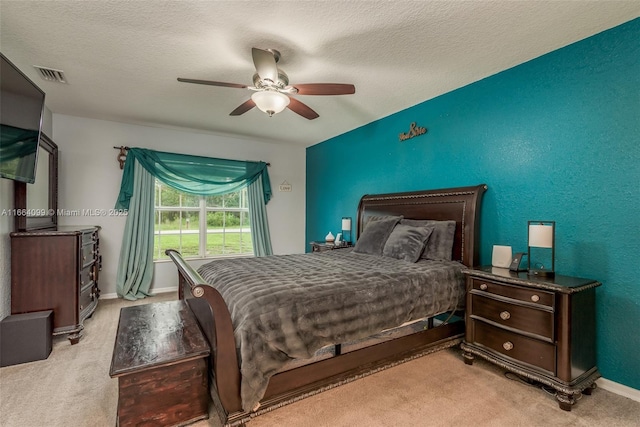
(484, 286)
(505, 315)
(508, 345)
(535, 298)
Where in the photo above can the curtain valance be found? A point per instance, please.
(192, 174)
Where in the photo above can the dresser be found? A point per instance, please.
(540, 328)
(57, 270)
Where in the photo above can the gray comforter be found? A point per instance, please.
(288, 306)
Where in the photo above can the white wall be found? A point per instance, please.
(7, 226)
(90, 175)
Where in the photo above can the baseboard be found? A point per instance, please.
(153, 291)
(619, 389)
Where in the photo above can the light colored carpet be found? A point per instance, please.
(73, 388)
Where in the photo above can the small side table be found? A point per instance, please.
(324, 246)
(540, 328)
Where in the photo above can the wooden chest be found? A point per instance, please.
(160, 358)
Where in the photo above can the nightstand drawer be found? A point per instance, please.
(519, 347)
(536, 296)
(527, 319)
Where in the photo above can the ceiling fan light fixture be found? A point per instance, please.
(272, 89)
(270, 101)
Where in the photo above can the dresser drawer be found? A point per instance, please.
(527, 319)
(536, 296)
(88, 253)
(86, 276)
(516, 346)
(90, 237)
(87, 296)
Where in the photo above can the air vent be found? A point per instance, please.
(51, 75)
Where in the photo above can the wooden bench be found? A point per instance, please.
(160, 358)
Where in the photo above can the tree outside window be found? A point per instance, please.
(201, 226)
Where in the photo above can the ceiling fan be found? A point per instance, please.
(272, 90)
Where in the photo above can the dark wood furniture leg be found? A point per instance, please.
(587, 391)
(75, 337)
(468, 358)
(566, 401)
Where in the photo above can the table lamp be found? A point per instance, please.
(541, 237)
(346, 229)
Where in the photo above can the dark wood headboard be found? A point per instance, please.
(461, 204)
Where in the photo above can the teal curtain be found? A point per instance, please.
(191, 174)
(135, 267)
(261, 237)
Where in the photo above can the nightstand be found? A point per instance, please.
(540, 328)
(324, 246)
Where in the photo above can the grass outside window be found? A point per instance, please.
(200, 227)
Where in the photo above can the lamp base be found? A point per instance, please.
(541, 273)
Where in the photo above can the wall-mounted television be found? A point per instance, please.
(21, 110)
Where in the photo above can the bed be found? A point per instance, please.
(279, 334)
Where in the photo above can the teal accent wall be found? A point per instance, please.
(556, 138)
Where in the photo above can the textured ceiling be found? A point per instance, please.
(122, 58)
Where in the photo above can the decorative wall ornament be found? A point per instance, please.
(285, 187)
(414, 130)
(122, 155)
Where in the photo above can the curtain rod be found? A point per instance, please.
(122, 155)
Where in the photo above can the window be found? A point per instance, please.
(200, 226)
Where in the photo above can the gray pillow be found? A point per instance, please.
(375, 235)
(440, 244)
(407, 242)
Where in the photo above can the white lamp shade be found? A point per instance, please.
(541, 236)
(271, 102)
(346, 224)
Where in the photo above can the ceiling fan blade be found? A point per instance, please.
(212, 83)
(243, 108)
(302, 109)
(325, 89)
(265, 64)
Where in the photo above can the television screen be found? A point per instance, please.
(21, 108)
